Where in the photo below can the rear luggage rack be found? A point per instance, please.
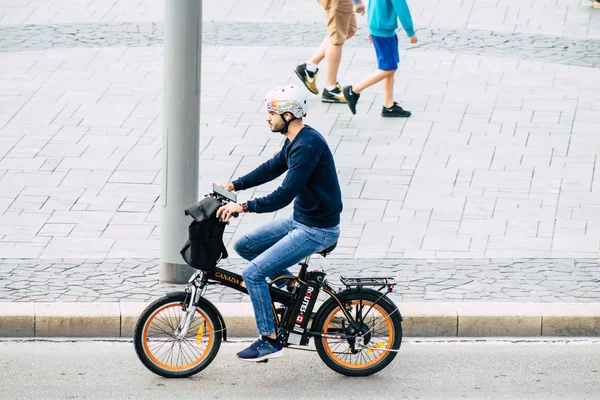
(356, 281)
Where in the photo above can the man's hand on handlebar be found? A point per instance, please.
(229, 210)
(227, 186)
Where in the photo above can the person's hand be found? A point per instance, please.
(413, 39)
(370, 39)
(226, 212)
(359, 8)
(227, 186)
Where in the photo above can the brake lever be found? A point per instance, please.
(234, 215)
(224, 202)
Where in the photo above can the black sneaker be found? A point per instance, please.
(351, 98)
(308, 78)
(395, 111)
(333, 96)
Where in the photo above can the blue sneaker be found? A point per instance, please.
(261, 350)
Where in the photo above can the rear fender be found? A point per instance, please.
(342, 295)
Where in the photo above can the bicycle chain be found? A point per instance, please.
(300, 348)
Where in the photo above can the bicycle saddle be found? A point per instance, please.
(328, 250)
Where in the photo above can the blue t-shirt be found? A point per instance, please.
(311, 179)
(383, 15)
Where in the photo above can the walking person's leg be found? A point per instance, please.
(388, 90)
(318, 56)
(388, 58)
(333, 52)
(374, 78)
(341, 26)
(352, 92)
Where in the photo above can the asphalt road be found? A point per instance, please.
(428, 369)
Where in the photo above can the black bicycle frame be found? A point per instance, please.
(235, 281)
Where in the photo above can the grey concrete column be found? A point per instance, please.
(181, 136)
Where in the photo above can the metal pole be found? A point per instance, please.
(181, 136)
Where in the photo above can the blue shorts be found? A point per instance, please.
(386, 49)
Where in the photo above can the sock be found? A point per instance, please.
(311, 67)
(272, 341)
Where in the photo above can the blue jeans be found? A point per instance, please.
(271, 250)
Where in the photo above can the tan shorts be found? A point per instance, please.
(341, 21)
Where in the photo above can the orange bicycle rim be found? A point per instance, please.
(189, 365)
(381, 349)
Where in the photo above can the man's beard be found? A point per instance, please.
(278, 129)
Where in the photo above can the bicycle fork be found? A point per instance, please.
(190, 309)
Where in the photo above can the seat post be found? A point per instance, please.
(303, 268)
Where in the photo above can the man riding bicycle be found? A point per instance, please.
(314, 225)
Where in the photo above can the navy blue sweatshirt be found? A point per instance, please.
(311, 180)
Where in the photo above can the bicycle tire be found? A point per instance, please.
(330, 313)
(148, 351)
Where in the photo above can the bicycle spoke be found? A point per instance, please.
(162, 344)
(194, 353)
(375, 334)
(187, 354)
(169, 353)
(338, 345)
(179, 354)
(166, 353)
(159, 331)
(165, 320)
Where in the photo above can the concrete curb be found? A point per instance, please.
(424, 319)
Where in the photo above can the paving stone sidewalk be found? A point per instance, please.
(498, 160)
(488, 192)
(504, 280)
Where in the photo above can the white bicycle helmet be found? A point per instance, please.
(287, 98)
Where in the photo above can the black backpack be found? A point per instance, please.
(205, 247)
